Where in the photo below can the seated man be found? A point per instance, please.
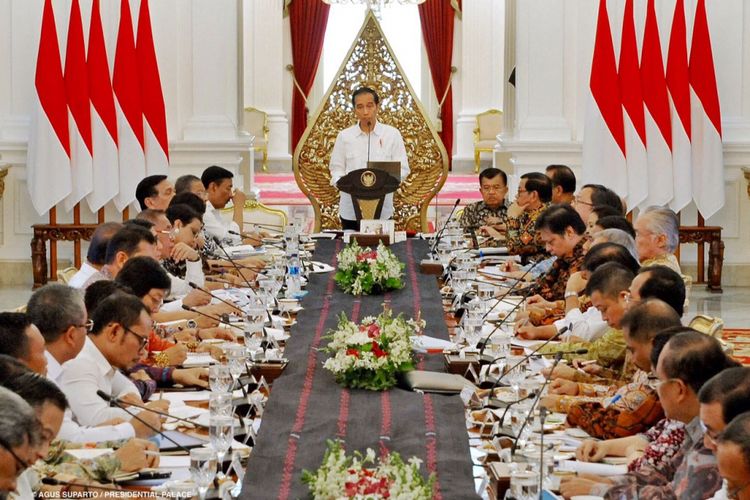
(190, 184)
(96, 253)
(59, 313)
(488, 215)
(682, 366)
(118, 339)
(563, 233)
(154, 192)
(660, 282)
(219, 191)
(733, 458)
(592, 195)
(563, 183)
(522, 238)
(607, 288)
(21, 339)
(19, 432)
(612, 235)
(614, 222)
(130, 241)
(614, 408)
(657, 235)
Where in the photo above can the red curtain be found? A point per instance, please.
(308, 20)
(436, 17)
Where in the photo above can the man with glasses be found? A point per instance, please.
(19, 432)
(682, 365)
(117, 342)
(733, 457)
(592, 195)
(490, 213)
(21, 339)
(534, 195)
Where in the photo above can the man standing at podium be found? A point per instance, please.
(367, 140)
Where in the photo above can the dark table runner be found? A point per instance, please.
(307, 406)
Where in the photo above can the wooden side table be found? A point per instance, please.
(710, 235)
(53, 232)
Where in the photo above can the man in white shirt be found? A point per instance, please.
(121, 326)
(59, 313)
(219, 190)
(367, 140)
(129, 241)
(96, 254)
(154, 192)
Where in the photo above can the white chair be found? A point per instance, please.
(489, 125)
(256, 124)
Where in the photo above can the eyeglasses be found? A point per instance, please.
(88, 325)
(143, 340)
(655, 383)
(578, 199)
(21, 465)
(712, 436)
(171, 233)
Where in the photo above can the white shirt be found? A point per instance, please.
(26, 483)
(588, 326)
(215, 225)
(350, 153)
(70, 430)
(83, 274)
(83, 376)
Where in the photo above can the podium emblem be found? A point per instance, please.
(367, 178)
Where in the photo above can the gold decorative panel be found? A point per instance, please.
(371, 62)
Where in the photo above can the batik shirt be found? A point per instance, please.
(608, 351)
(523, 238)
(691, 474)
(664, 441)
(476, 214)
(552, 285)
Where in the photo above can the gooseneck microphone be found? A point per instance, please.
(204, 290)
(369, 134)
(439, 234)
(209, 316)
(116, 402)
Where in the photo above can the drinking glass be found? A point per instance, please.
(219, 378)
(459, 281)
(253, 340)
(236, 356)
(515, 376)
(220, 404)
(518, 416)
(473, 329)
(444, 253)
(524, 486)
(203, 469)
(221, 433)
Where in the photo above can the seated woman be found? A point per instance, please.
(609, 409)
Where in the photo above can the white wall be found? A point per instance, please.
(553, 50)
(198, 49)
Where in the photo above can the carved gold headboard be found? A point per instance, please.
(371, 62)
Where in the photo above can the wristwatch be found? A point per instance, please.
(571, 294)
(191, 323)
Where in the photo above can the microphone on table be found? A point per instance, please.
(51, 481)
(204, 290)
(532, 353)
(116, 402)
(209, 316)
(242, 235)
(439, 234)
(369, 134)
(271, 227)
(530, 415)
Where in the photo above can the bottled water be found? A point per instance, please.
(293, 280)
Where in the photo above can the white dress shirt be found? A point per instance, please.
(83, 376)
(588, 326)
(217, 226)
(83, 274)
(350, 153)
(70, 430)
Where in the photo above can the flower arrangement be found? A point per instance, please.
(342, 476)
(363, 271)
(370, 355)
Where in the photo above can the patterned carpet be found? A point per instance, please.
(740, 339)
(282, 189)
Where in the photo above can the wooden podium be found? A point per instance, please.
(368, 188)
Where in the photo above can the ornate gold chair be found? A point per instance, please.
(256, 212)
(489, 125)
(371, 62)
(256, 124)
(64, 276)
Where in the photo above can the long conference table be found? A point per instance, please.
(307, 406)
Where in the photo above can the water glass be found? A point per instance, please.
(524, 486)
(255, 313)
(203, 469)
(219, 378)
(473, 330)
(236, 356)
(459, 281)
(253, 343)
(220, 404)
(221, 434)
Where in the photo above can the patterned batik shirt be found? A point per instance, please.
(522, 237)
(691, 474)
(476, 214)
(664, 441)
(552, 285)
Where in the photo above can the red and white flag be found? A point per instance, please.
(629, 74)
(707, 153)
(106, 181)
(604, 135)
(77, 91)
(152, 99)
(658, 123)
(126, 85)
(48, 159)
(678, 83)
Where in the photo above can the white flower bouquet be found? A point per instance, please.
(372, 354)
(363, 271)
(367, 477)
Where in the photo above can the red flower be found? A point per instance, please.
(377, 351)
(367, 255)
(373, 331)
(352, 352)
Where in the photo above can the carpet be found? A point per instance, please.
(282, 189)
(740, 339)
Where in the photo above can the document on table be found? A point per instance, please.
(593, 468)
